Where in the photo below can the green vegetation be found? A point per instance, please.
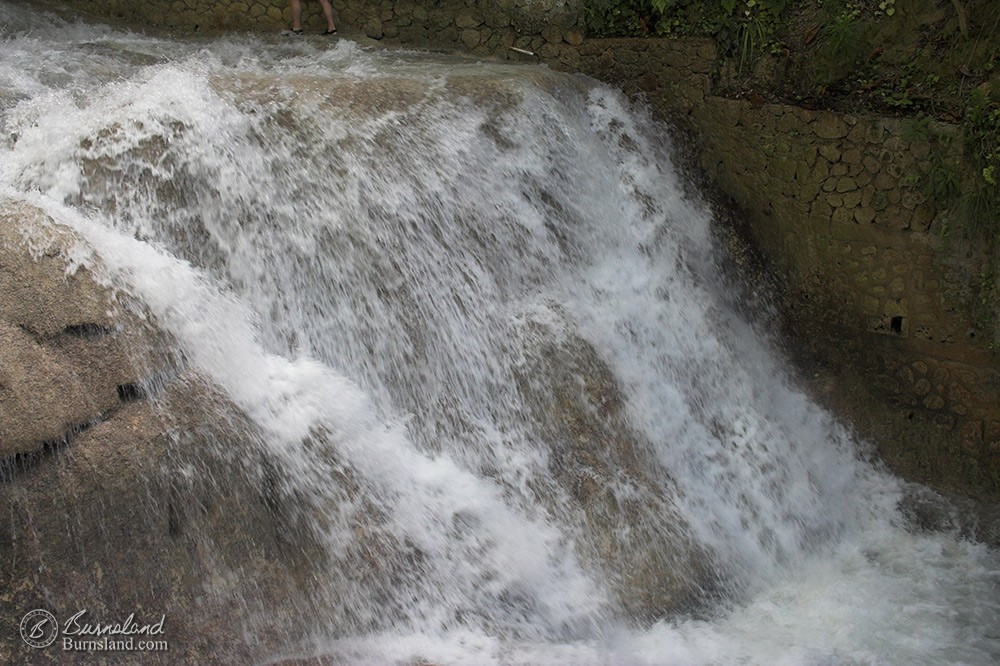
(982, 145)
(874, 55)
(942, 181)
(744, 29)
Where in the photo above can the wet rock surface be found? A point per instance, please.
(63, 357)
(620, 495)
(120, 495)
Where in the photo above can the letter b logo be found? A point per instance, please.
(39, 628)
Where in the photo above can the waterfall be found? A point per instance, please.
(477, 314)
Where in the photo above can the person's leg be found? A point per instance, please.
(297, 14)
(328, 12)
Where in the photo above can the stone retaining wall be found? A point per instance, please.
(478, 26)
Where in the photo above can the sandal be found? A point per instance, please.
(331, 32)
(296, 32)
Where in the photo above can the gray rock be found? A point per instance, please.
(657, 568)
(117, 501)
(64, 358)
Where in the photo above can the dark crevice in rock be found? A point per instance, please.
(84, 331)
(32, 333)
(87, 331)
(174, 527)
(12, 466)
(128, 393)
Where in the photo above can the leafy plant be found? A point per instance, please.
(886, 7)
(917, 129)
(942, 182)
(841, 32)
(898, 99)
(839, 47)
(753, 33)
(982, 145)
(614, 18)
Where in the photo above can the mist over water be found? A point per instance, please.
(483, 294)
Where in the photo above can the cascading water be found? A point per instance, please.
(482, 295)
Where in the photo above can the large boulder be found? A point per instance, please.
(63, 356)
(122, 495)
(620, 497)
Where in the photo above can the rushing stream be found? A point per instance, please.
(485, 291)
